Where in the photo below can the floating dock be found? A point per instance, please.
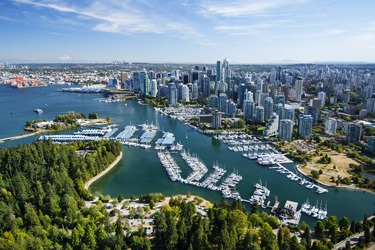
(127, 133)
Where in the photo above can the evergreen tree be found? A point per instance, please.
(319, 229)
(307, 236)
(101, 238)
(280, 237)
(268, 238)
(89, 238)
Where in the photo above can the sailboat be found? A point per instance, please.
(186, 136)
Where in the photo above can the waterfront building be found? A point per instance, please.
(146, 86)
(286, 129)
(322, 96)
(138, 77)
(113, 83)
(353, 134)
(259, 114)
(154, 88)
(305, 124)
(214, 101)
(216, 119)
(330, 126)
(272, 125)
(268, 108)
(185, 94)
(371, 144)
(248, 110)
(299, 84)
(223, 102)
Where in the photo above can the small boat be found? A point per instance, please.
(38, 111)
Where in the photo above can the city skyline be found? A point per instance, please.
(198, 31)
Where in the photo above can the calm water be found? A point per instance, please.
(140, 171)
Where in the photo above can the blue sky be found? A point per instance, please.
(187, 31)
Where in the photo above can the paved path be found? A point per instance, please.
(353, 239)
(87, 185)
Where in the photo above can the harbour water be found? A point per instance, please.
(140, 171)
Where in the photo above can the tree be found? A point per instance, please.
(315, 174)
(307, 236)
(333, 233)
(268, 238)
(280, 237)
(367, 235)
(319, 229)
(101, 238)
(89, 238)
(344, 223)
(133, 198)
(120, 198)
(108, 119)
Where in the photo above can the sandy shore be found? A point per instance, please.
(353, 187)
(87, 185)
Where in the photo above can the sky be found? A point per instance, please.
(187, 31)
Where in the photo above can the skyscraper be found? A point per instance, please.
(289, 113)
(214, 101)
(272, 125)
(185, 94)
(353, 134)
(314, 112)
(371, 144)
(322, 96)
(268, 108)
(172, 94)
(259, 114)
(154, 88)
(299, 83)
(216, 119)
(248, 110)
(286, 129)
(146, 86)
(330, 126)
(279, 99)
(218, 71)
(226, 73)
(241, 95)
(223, 102)
(305, 124)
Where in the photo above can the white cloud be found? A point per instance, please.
(238, 8)
(123, 17)
(65, 57)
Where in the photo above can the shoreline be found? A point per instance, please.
(352, 187)
(87, 185)
(17, 137)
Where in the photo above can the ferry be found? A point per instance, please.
(38, 111)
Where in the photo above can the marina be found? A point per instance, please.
(140, 171)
